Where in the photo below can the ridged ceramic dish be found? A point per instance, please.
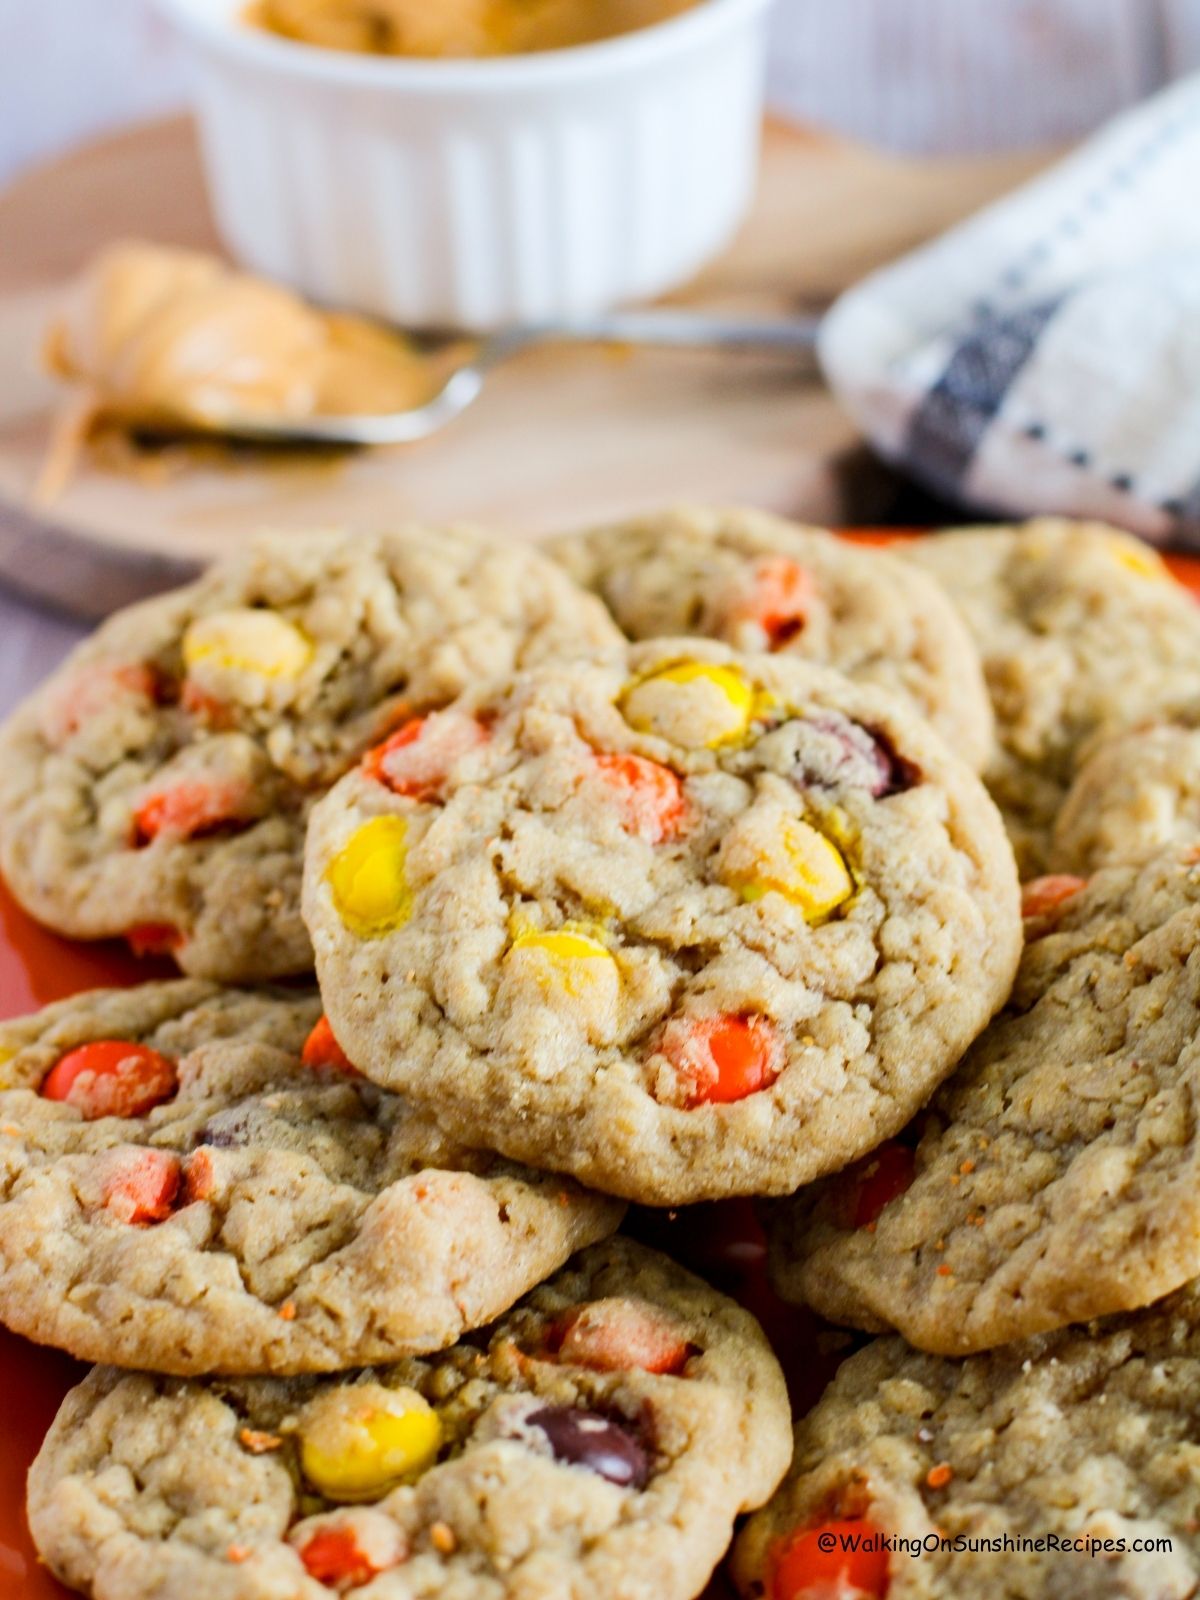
(480, 192)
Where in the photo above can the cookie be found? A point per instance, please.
(196, 1180)
(1134, 794)
(1082, 1442)
(690, 925)
(1080, 627)
(598, 1441)
(760, 583)
(1056, 1176)
(159, 784)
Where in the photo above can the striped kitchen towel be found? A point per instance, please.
(1045, 355)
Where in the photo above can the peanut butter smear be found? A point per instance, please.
(164, 340)
(458, 28)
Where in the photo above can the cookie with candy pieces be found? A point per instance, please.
(1058, 1468)
(1082, 629)
(1056, 1175)
(687, 925)
(597, 1440)
(761, 583)
(196, 1179)
(158, 786)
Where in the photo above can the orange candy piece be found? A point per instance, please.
(111, 1078)
(650, 796)
(374, 760)
(1040, 897)
(783, 597)
(199, 1178)
(153, 938)
(332, 1556)
(142, 1188)
(187, 809)
(90, 691)
(617, 1335)
(723, 1058)
(205, 707)
(321, 1049)
(884, 1176)
(414, 760)
(802, 1570)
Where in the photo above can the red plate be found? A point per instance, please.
(723, 1242)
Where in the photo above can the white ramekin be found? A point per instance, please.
(479, 193)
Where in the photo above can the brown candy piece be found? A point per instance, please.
(586, 1439)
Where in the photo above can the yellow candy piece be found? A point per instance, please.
(358, 1442)
(806, 869)
(1139, 559)
(692, 703)
(572, 961)
(368, 881)
(6, 1055)
(247, 640)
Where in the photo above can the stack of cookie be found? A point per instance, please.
(660, 874)
(1033, 1236)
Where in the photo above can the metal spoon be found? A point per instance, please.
(664, 329)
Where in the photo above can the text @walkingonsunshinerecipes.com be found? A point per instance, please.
(847, 1541)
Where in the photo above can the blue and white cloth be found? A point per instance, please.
(1045, 355)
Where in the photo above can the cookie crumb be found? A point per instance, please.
(443, 1538)
(259, 1443)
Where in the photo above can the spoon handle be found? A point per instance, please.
(678, 329)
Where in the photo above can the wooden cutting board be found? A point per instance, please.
(559, 437)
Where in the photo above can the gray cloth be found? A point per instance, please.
(1045, 355)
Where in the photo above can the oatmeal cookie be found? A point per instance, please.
(690, 925)
(1056, 1176)
(1135, 793)
(1079, 1437)
(159, 784)
(1080, 628)
(597, 1442)
(760, 583)
(196, 1179)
